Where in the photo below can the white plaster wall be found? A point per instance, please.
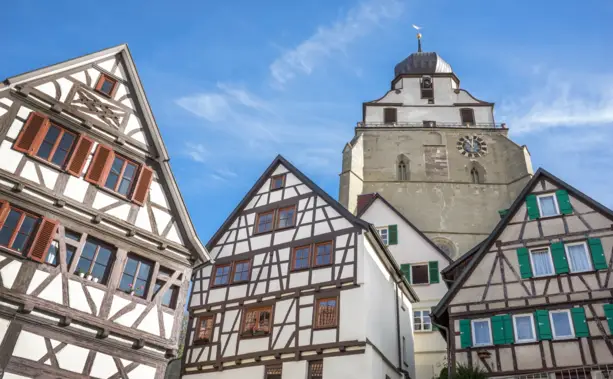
(254, 372)
(295, 370)
(352, 319)
(356, 366)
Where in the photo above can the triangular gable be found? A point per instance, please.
(541, 181)
(369, 199)
(124, 120)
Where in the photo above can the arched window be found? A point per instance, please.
(445, 245)
(477, 173)
(474, 174)
(403, 168)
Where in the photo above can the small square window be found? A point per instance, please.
(548, 205)
(264, 222)
(524, 328)
(286, 217)
(578, 257)
(421, 321)
(384, 234)
(274, 372)
(204, 329)
(561, 324)
(301, 257)
(222, 275)
(106, 85)
(257, 321)
(323, 254)
(241, 271)
(326, 313)
(542, 264)
(420, 274)
(482, 334)
(277, 182)
(316, 370)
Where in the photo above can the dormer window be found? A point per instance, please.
(390, 115)
(106, 85)
(467, 115)
(427, 88)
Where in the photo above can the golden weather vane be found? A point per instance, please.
(418, 37)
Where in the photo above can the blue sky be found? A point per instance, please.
(233, 83)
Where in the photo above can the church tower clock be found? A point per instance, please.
(434, 152)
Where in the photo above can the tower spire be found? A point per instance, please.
(419, 42)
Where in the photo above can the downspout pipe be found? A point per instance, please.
(397, 300)
(447, 342)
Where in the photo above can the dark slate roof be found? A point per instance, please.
(423, 63)
(541, 173)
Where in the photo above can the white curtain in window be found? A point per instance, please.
(523, 326)
(482, 332)
(578, 258)
(541, 263)
(548, 206)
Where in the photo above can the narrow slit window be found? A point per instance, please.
(323, 254)
(56, 145)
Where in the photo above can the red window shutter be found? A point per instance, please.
(100, 165)
(44, 236)
(142, 185)
(4, 211)
(79, 156)
(32, 133)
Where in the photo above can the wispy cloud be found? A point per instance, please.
(333, 39)
(196, 151)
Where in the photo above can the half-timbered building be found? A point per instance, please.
(420, 260)
(96, 246)
(534, 300)
(298, 287)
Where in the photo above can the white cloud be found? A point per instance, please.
(333, 39)
(224, 172)
(196, 151)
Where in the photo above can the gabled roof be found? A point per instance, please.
(462, 260)
(484, 247)
(143, 104)
(371, 198)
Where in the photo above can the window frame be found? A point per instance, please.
(232, 272)
(56, 144)
(257, 222)
(472, 331)
(274, 178)
(421, 320)
(294, 260)
(234, 264)
(258, 309)
(532, 325)
(422, 88)
(551, 266)
(318, 362)
(316, 322)
(28, 243)
(555, 201)
(101, 79)
(109, 266)
(214, 277)
(472, 112)
(269, 375)
(137, 172)
(315, 246)
(387, 234)
(209, 339)
(588, 256)
(277, 219)
(387, 111)
(413, 265)
(139, 260)
(570, 323)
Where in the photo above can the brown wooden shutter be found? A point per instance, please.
(32, 133)
(44, 236)
(79, 156)
(5, 208)
(100, 165)
(142, 185)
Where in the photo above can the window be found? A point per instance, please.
(384, 233)
(222, 275)
(419, 274)
(561, 324)
(548, 205)
(390, 115)
(467, 116)
(524, 328)
(427, 88)
(429, 124)
(56, 145)
(404, 350)
(481, 330)
(541, 262)
(474, 174)
(241, 271)
(273, 372)
(326, 312)
(277, 182)
(136, 276)
(18, 230)
(229, 273)
(204, 329)
(316, 369)
(53, 254)
(122, 175)
(257, 321)
(95, 259)
(169, 298)
(578, 257)
(403, 168)
(264, 222)
(421, 320)
(323, 254)
(106, 85)
(301, 257)
(286, 217)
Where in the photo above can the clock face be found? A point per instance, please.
(472, 146)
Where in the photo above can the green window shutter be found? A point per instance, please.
(466, 338)
(579, 322)
(559, 258)
(498, 330)
(598, 258)
(503, 212)
(433, 267)
(564, 202)
(523, 257)
(406, 270)
(608, 312)
(392, 239)
(543, 326)
(532, 206)
(508, 329)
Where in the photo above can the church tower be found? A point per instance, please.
(435, 152)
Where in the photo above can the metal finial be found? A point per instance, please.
(418, 37)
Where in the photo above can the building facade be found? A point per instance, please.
(535, 299)
(435, 153)
(421, 262)
(298, 287)
(96, 246)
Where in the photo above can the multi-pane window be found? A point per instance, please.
(301, 257)
(121, 176)
(106, 85)
(326, 313)
(204, 329)
(56, 145)
(277, 182)
(264, 222)
(524, 328)
(169, 298)
(222, 275)
(578, 257)
(541, 262)
(273, 372)
(548, 205)
(257, 321)
(53, 254)
(95, 259)
(419, 274)
(241, 271)
(285, 219)
(561, 324)
(235, 272)
(18, 230)
(316, 370)
(323, 254)
(421, 321)
(136, 276)
(482, 333)
(384, 234)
